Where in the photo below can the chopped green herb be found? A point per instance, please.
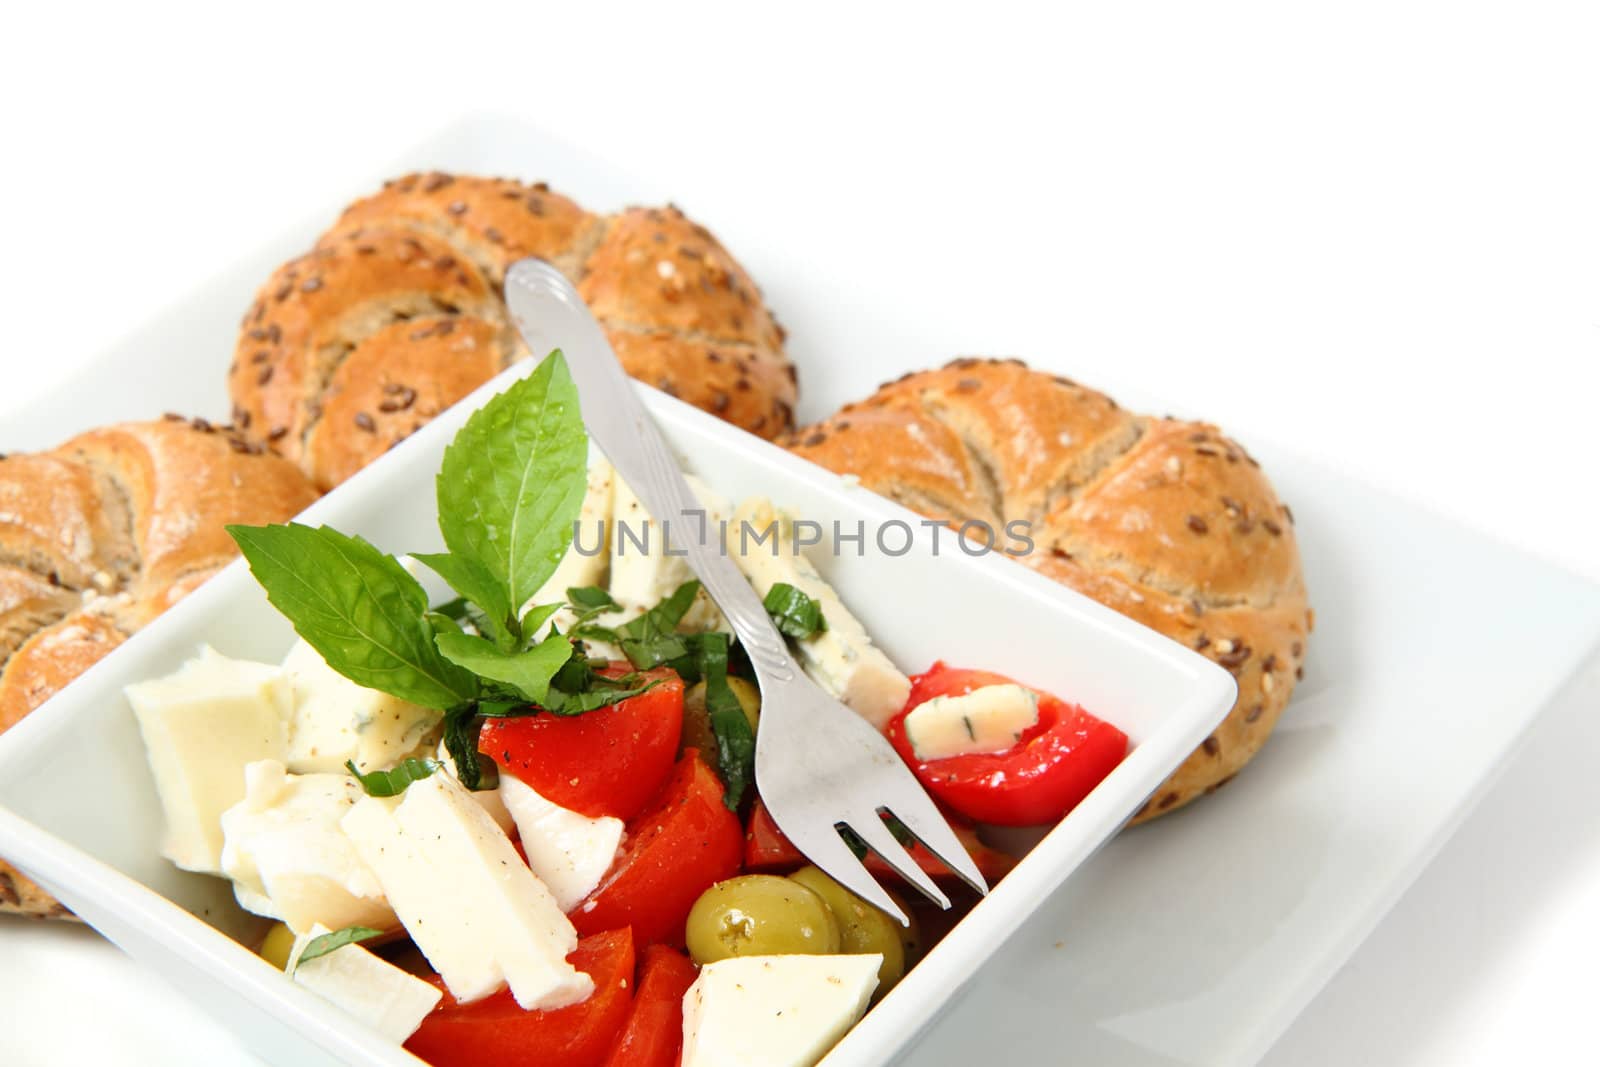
(322, 946)
(652, 639)
(461, 741)
(591, 600)
(604, 696)
(793, 612)
(736, 742)
(393, 782)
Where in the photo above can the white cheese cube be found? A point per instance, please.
(841, 659)
(774, 1011)
(370, 988)
(289, 859)
(335, 720)
(487, 799)
(991, 718)
(201, 726)
(569, 852)
(472, 906)
(644, 573)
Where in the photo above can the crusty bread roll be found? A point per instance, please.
(1168, 522)
(397, 313)
(102, 534)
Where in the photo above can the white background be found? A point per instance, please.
(1368, 230)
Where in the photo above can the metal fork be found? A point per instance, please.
(821, 769)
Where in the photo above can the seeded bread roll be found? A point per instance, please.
(102, 534)
(1169, 522)
(398, 313)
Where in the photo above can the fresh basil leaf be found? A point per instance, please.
(528, 672)
(653, 639)
(591, 600)
(576, 675)
(350, 935)
(736, 742)
(512, 483)
(653, 652)
(493, 618)
(793, 612)
(588, 631)
(537, 616)
(461, 741)
(393, 782)
(456, 608)
(358, 608)
(502, 709)
(440, 623)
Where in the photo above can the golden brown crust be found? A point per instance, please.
(316, 311)
(394, 382)
(751, 387)
(326, 333)
(493, 221)
(656, 269)
(1168, 522)
(27, 604)
(20, 896)
(182, 482)
(55, 522)
(141, 509)
(54, 656)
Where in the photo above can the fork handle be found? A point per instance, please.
(546, 307)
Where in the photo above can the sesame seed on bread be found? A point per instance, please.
(398, 313)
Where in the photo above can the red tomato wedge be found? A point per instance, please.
(496, 1030)
(611, 761)
(654, 1034)
(1033, 783)
(767, 849)
(675, 851)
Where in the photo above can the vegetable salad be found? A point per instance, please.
(520, 823)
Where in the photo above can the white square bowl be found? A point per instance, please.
(79, 812)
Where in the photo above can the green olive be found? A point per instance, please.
(697, 731)
(862, 927)
(277, 945)
(760, 915)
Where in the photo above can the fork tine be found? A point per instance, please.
(829, 852)
(918, 814)
(877, 836)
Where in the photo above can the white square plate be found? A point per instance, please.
(74, 783)
(1194, 940)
